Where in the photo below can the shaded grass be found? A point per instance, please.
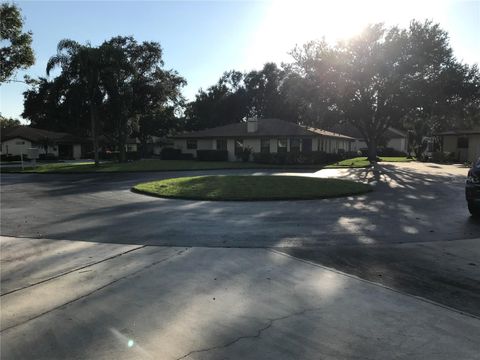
(251, 188)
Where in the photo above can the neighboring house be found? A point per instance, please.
(17, 140)
(263, 136)
(132, 144)
(155, 144)
(394, 138)
(464, 144)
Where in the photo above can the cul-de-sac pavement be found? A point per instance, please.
(90, 269)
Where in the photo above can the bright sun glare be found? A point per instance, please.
(287, 23)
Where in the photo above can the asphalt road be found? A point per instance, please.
(406, 234)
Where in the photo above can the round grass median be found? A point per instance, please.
(251, 188)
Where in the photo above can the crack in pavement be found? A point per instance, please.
(178, 253)
(73, 270)
(256, 335)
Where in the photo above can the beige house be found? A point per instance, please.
(17, 141)
(464, 144)
(394, 139)
(263, 136)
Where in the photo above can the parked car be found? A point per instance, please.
(472, 189)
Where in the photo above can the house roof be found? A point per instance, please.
(39, 135)
(390, 133)
(266, 127)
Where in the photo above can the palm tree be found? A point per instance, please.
(82, 64)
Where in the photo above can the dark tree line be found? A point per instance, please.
(116, 90)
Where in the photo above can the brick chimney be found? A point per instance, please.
(252, 125)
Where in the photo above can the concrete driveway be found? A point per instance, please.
(99, 282)
(84, 300)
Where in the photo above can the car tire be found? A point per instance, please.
(474, 209)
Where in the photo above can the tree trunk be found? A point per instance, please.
(122, 151)
(372, 151)
(93, 123)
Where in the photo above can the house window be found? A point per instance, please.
(282, 145)
(462, 143)
(306, 145)
(295, 144)
(191, 144)
(221, 144)
(265, 146)
(20, 143)
(238, 146)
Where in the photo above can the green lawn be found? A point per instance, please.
(360, 162)
(176, 165)
(134, 166)
(152, 165)
(251, 188)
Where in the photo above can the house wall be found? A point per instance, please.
(450, 143)
(77, 151)
(473, 148)
(331, 145)
(399, 144)
(19, 146)
(472, 153)
(231, 150)
(273, 145)
(253, 143)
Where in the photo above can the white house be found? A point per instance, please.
(17, 140)
(263, 136)
(394, 139)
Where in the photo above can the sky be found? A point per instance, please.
(203, 39)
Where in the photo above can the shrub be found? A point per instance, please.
(314, 157)
(168, 153)
(390, 152)
(132, 155)
(212, 155)
(244, 154)
(442, 157)
(10, 157)
(47, 157)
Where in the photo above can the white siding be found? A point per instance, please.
(16, 146)
(77, 151)
(273, 145)
(231, 150)
(19, 146)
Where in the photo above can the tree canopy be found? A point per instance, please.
(385, 77)
(16, 52)
(8, 122)
(116, 90)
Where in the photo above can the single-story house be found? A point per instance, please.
(263, 136)
(17, 141)
(464, 144)
(394, 138)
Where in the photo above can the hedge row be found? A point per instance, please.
(389, 152)
(174, 154)
(212, 155)
(314, 157)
